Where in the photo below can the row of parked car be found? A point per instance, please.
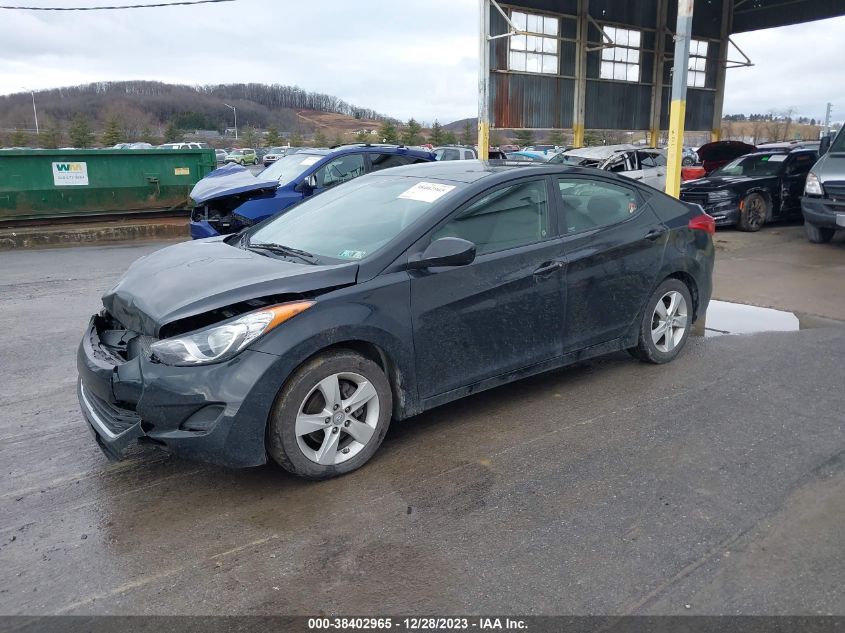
(737, 184)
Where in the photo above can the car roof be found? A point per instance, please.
(470, 171)
(780, 150)
(358, 148)
(600, 151)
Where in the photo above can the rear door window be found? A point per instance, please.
(379, 161)
(590, 204)
(800, 163)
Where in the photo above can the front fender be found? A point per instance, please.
(375, 313)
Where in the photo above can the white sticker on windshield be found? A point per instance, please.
(310, 160)
(777, 158)
(426, 192)
(352, 254)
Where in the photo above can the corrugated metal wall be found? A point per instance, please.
(529, 100)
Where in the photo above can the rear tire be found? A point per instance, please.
(666, 323)
(818, 234)
(753, 214)
(300, 439)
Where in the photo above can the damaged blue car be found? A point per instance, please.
(230, 199)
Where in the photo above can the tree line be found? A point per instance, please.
(155, 106)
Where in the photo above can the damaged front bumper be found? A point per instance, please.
(215, 413)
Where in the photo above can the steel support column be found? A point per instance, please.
(657, 76)
(580, 74)
(484, 80)
(721, 69)
(677, 110)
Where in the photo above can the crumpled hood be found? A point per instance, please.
(194, 277)
(229, 180)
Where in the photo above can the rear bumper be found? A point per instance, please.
(823, 212)
(213, 413)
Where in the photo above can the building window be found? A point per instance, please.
(537, 51)
(697, 75)
(622, 60)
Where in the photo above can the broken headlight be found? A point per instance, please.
(221, 342)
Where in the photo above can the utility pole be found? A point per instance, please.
(677, 111)
(827, 119)
(484, 80)
(34, 111)
(235, 112)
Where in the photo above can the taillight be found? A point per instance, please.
(704, 223)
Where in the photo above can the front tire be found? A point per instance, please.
(753, 214)
(666, 323)
(331, 416)
(818, 234)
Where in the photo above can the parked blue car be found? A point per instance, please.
(231, 198)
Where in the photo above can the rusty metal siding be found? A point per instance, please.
(499, 47)
(613, 105)
(641, 13)
(699, 114)
(706, 18)
(531, 101)
(567, 58)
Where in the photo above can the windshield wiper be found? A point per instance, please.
(281, 249)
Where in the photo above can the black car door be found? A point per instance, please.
(614, 247)
(795, 171)
(503, 311)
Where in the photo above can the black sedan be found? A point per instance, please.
(753, 189)
(301, 338)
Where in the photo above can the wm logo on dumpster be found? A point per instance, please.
(69, 174)
(70, 166)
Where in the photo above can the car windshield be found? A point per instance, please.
(237, 152)
(754, 165)
(354, 220)
(289, 168)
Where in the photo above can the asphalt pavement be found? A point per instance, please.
(714, 484)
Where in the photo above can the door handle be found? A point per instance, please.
(653, 234)
(547, 268)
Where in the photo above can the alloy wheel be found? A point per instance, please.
(337, 418)
(756, 211)
(669, 321)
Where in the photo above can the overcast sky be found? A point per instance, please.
(403, 58)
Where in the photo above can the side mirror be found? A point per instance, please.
(824, 145)
(307, 186)
(447, 251)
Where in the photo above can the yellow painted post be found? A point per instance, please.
(484, 81)
(578, 136)
(677, 111)
(579, 105)
(675, 147)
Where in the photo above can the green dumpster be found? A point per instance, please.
(36, 184)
